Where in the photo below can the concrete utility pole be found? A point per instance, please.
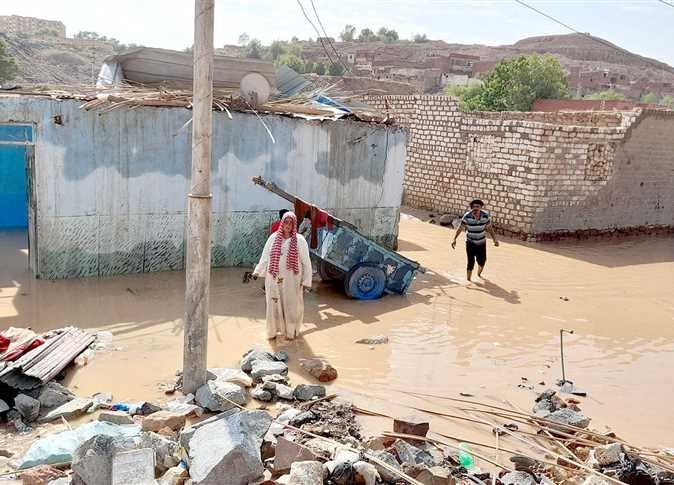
(198, 260)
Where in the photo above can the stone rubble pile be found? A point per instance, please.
(309, 440)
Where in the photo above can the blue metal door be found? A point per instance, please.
(14, 140)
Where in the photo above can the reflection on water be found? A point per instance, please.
(445, 337)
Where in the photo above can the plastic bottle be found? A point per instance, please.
(84, 358)
(465, 458)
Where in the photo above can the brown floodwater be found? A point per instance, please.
(446, 337)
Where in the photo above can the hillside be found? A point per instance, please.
(45, 55)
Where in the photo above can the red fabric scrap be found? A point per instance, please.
(4, 343)
(22, 349)
(274, 227)
(319, 218)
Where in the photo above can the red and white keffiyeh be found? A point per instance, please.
(293, 259)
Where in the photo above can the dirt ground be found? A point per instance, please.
(446, 337)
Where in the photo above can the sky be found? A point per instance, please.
(645, 27)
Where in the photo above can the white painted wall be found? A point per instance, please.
(111, 187)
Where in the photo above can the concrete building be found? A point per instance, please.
(107, 189)
(542, 175)
(17, 25)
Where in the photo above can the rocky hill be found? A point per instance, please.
(46, 55)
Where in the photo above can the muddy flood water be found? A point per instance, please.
(446, 337)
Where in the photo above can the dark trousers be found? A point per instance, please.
(476, 252)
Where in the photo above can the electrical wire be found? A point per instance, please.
(332, 45)
(666, 3)
(318, 34)
(597, 40)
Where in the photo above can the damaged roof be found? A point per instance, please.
(315, 105)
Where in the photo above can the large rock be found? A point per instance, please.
(569, 417)
(92, 461)
(386, 474)
(414, 425)
(115, 417)
(220, 396)
(28, 407)
(187, 432)
(365, 473)
(608, 454)
(174, 476)
(319, 369)
(68, 410)
(41, 475)
(518, 478)
(253, 355)
(3, 406)
(235, 376)
(227, 451)
(163, 419)
(134, 466)
(263, 368)
(284, 392)
(261, 394)
(54, 395)
(288, 452)
(342, 473)
(60, 447)
(307, 392)
(406, 452)
(165, 450)
(306, 473)
(436, 475)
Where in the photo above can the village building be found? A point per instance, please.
(543, 175)
(107, 188)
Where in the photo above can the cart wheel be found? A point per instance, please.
(330, 272)
(365, 281)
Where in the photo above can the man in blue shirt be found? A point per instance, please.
(476, 223)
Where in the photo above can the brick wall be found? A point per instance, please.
(542, 175)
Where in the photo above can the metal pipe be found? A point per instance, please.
(561, 349)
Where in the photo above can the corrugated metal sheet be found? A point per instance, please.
(43, 363)
(152, 67)
(289, 82)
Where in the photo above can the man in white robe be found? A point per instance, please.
(286, 266)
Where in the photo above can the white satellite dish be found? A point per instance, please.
(255, 88)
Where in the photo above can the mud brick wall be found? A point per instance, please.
(542, 175)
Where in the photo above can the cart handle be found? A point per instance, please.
(273, 188)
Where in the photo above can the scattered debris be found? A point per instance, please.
(376, 340)
(312, 441)
(43, 358)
